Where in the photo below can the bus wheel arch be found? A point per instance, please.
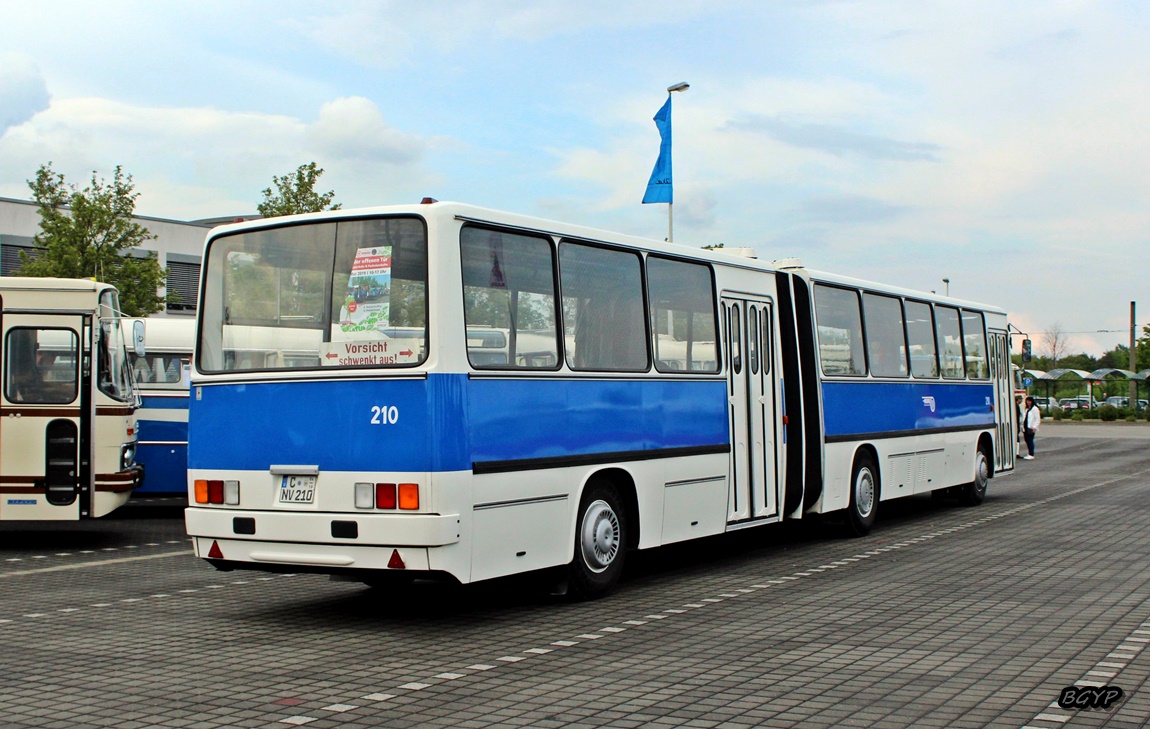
(865, 491)
(606, 526)
(973, 493)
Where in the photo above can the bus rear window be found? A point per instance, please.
(318, 295)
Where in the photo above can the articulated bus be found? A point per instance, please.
(67, 401)
(162, 375)
(464, 393)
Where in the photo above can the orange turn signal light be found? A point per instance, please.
(409, 496)
(201, 491)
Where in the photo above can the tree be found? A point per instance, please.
(89, 233)
(1142, 350)
(296, 193)
(1055, 340)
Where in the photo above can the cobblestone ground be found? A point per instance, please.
(943, 617)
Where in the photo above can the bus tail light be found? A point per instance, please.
(409, 496)
(217, 492)
(364, 495)
(385, 496)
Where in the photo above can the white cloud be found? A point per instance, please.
(201, 162)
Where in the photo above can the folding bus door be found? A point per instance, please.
(752, 408)
(1005, 444)
(43, 417)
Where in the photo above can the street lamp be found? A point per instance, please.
(681, 86)
(947, 282)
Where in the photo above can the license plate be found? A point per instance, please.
(297, 490)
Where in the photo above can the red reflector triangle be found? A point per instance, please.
(395, 562)
(215, 552)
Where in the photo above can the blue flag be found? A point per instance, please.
(659, 186)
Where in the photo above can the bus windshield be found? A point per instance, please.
(114, 375)
(351, 293)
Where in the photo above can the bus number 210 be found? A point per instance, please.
(384, 415)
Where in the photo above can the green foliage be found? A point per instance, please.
(1057, 413)
(1131, 418)
(1108, 413)
(295, 193)
(1077, 416)
(86, 234)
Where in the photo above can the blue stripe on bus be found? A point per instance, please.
(853, 408)
(446, 422)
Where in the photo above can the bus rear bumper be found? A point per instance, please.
(321, 558)
(324, 528)
(319, 542)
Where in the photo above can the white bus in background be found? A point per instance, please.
(162, 376)
(67, 401)
(444, 390)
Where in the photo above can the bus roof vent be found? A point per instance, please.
(784, 263)
(741, 252)
(428, 201)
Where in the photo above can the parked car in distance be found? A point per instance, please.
(1045, 403)
(1082, 402)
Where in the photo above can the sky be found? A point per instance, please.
(997, 144)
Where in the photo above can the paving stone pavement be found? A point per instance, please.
(942, 617)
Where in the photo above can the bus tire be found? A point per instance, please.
(864, 496)
(600, 541)
(973, 493)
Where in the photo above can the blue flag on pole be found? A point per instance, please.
(659, 189)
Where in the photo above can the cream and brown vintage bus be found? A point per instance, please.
(67, 401)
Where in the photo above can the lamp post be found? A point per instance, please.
(947, 282)
(681, 86)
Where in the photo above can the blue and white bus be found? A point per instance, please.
(446, 390)
(162, 377)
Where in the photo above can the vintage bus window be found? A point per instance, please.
(603, 314)
(509, 299)
(974, 342)
(160, 370)
(840, 331)
(682, 302)
(346, 294)
(920, 335)
(40, 365)
(885, 336)
(950, 342)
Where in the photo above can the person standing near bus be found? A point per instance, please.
(1031, 419)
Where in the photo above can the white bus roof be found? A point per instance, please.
(736, 257)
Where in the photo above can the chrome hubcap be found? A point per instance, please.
(599, 537)
(982, 474)
(864, 492)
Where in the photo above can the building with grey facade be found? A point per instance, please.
(178, 244)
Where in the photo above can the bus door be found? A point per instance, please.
(44, 416)
(753, 409)
(1005, 418)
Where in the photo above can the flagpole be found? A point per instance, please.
(659, 187)
(681, 86)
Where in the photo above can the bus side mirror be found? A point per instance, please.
(1025, 350)
(138, 337)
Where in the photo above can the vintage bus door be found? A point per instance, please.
(753, 410)
(1005, 432)
(45, 416)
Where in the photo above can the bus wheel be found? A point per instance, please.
(974, 492)
(864, 496)
(600, 541)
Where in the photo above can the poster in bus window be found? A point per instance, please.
(367, 306)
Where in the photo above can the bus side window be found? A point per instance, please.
(40, 365)
(840, 331)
